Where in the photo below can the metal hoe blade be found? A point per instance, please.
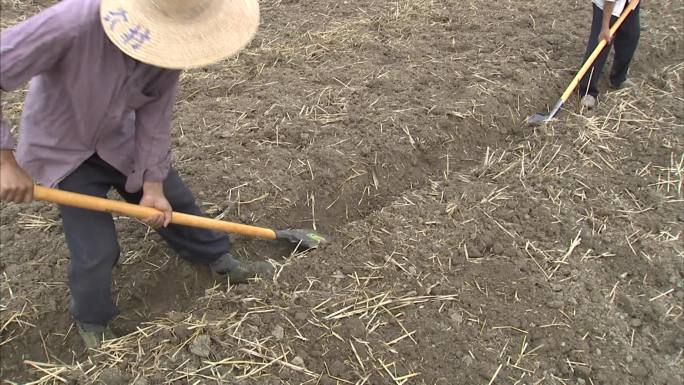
(538, 119)
(304, 239)
(543, 119)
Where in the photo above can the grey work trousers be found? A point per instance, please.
(92, 239)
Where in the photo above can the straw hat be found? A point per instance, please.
(179, 34)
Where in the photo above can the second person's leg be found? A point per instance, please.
(589, 83)
(625, 43)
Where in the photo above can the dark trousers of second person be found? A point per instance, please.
(625, 43)
(93, 245)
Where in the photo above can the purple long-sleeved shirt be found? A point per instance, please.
(85, 97)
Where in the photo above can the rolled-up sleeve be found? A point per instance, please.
(153, 132)
(30, 48)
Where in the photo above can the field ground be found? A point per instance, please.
(468, 248)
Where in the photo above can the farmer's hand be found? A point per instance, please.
(605, 21)
(15, 185)
(605, 35)
(153, 196)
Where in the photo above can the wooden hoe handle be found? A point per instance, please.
(135, 211)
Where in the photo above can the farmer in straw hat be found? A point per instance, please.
(97, 115)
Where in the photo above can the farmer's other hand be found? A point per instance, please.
(15, 185)
(605, 35)
(153, 196)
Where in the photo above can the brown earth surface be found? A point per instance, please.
(467, 247)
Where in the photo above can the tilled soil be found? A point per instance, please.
(467, 248)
